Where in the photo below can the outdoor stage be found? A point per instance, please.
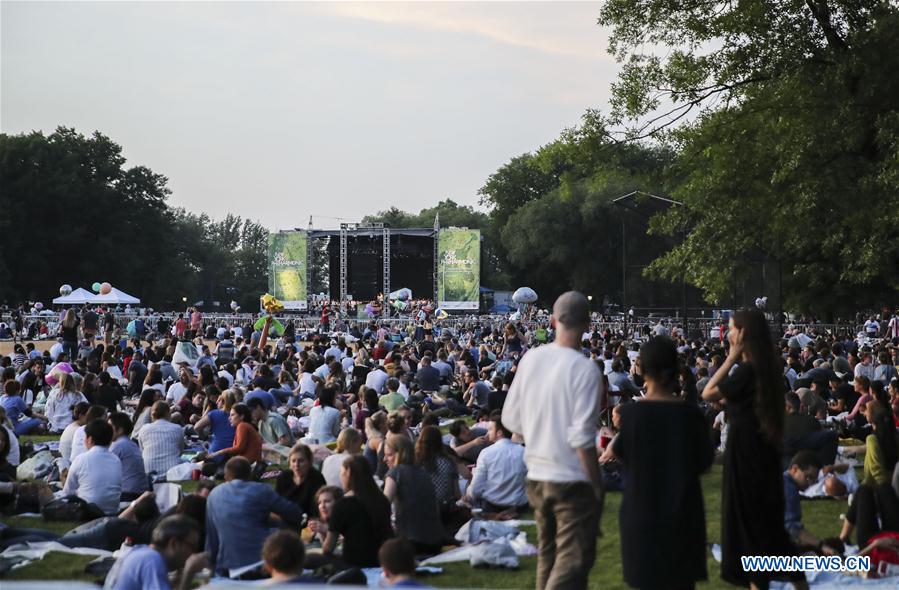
(365, 260)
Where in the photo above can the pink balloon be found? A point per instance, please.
(105, 289)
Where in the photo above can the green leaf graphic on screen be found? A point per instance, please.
(287, 266)
(459, 265)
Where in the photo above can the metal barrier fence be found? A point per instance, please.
(702, 327)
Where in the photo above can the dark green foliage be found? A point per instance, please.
(71, 212)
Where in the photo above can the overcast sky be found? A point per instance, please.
(279, 111)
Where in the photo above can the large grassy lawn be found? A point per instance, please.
(821, 518)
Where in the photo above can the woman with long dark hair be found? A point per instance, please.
(299, 483)
(444, 469)
(142, 414)
(409, 488)
(752, 513)
(362, 516)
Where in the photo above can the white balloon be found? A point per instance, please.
(65, 290)
(524, 295)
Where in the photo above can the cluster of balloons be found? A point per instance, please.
(102, 288)
(234, 306)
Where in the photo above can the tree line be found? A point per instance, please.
(774, 126)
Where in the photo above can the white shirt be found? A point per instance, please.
(376, 380)
(324, 424)
(13, 457)
(96, 476)
(307, 383)
(500, 475)
(160, 444)
(347, 364)
(176, 392)
(331, 468)
(79, 443)
(554, 404)
(59, 408)
(65, 440)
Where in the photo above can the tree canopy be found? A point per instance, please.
(793, 154)
(72, 212)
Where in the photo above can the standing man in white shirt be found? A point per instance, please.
(96, 476)
(554, 404)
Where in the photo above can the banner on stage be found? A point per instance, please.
(458, 268)
(287, 268)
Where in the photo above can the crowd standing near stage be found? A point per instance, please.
(336, 448)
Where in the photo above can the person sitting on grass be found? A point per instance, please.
(409, 488)
(802, 473)
(397, 557)
(18, 412)
(96, 476)
(272, 426)
(247, 440)
(134, 476)
(238, 517)
(174, 546)
(499, 481)
(283, 556)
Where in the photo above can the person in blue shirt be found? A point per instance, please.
(173, 548)
(397, 557)
(23, 421)
(237, 517)
(803, 472)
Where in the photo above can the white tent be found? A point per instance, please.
(77, 297)
(115, 297)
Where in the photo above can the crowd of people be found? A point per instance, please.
(333, 454)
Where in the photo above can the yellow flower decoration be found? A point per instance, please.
(270, 304)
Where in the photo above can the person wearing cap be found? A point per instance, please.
(554, 405)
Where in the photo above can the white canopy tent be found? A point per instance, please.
(115, 297)
(77, 297)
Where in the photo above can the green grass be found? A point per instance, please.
(821, 518)
(38, 438)
(55, 566)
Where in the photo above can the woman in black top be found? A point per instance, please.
(752, 512)
(68, 329)
(664, 447)
(361, 517)
(300, 483)
(109, 393)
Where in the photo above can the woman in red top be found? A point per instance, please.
(247, 440)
